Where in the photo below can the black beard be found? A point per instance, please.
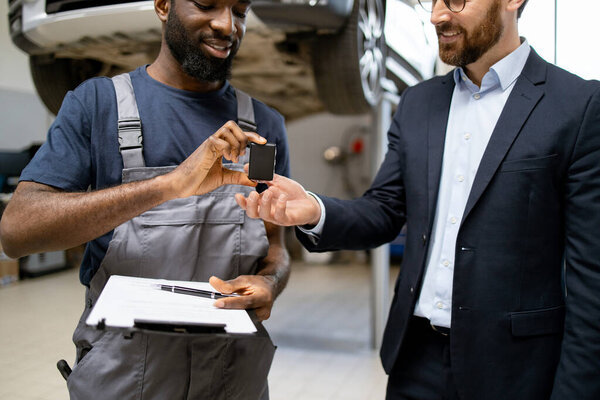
(476, 44)
(192, 59)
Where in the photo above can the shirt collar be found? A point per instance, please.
(506, 70)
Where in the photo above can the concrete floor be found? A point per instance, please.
(320, 324)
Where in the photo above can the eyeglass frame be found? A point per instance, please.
(447, 3)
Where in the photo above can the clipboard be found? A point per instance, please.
(132, 304)
(138, 307)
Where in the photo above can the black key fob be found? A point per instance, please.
(262, 161)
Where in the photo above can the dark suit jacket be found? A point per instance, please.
(522, 327)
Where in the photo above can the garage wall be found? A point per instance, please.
(14, 68)
(23, 118)
(309, 138)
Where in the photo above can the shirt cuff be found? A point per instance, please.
(317, 229)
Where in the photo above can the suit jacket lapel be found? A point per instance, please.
(521, 102)
(439, 110)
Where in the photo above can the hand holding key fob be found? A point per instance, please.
(262, 161)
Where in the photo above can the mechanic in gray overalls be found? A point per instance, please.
(155, 210)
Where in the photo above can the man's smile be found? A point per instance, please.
(448, 36)
(217, 48)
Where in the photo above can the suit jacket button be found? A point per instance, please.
(412, 290)
(424, 239)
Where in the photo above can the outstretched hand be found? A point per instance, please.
(203, 170)
(284, 203)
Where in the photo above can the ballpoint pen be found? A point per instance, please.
(195, 292)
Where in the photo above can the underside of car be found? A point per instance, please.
(334, 63)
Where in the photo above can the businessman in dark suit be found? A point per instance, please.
(495, 169)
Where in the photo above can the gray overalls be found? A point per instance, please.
(183, 239)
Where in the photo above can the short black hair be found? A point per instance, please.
(520, 11)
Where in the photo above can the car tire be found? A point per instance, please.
(54, 77)
(349, 65)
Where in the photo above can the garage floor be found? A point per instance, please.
(320, 325)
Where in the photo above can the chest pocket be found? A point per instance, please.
(529, 164)
(200, 236)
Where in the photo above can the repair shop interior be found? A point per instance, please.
(103, 102)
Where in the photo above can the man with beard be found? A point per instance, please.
(150, 145)
(495, 169)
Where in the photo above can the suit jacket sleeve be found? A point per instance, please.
(375, 218)
(579, 366)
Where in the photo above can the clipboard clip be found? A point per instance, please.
(178, 327)
(101, 326)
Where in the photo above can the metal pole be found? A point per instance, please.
(380, 257)
(555, 31)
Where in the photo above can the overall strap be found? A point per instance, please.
(130, 125)
(245, 111)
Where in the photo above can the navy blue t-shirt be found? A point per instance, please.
(82, 148)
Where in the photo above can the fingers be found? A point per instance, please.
(280, 208)
(202, 171)
(237, 303)
(230, 286)
(273, 206)
(270, 206)
(277, 180)
(264, 211)
(260, 205)
(256, 292)
(252, 205)
(231, 141)
(241, 200)
(255, 137)
(238, 284)
(263, 312)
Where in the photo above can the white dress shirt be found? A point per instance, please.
(474, 112)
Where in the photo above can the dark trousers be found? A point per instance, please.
(422, 370)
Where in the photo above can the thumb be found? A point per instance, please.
(219, 284)
(277, 180)
(231, 177)
(226, 287)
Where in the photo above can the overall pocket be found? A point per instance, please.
(113, 359)
(193, 238)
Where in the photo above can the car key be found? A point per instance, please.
(262, 161)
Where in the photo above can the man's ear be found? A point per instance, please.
(513, 5)
(162, 7)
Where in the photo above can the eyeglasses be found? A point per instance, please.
(455, 6)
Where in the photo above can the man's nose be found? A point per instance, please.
(223, 22)
(439, 13)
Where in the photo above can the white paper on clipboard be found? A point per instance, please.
(125, 299)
